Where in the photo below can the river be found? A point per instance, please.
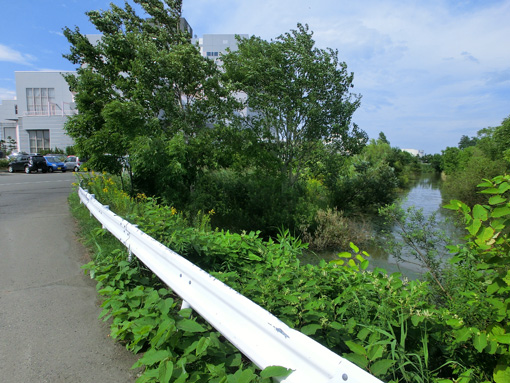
(424, 193)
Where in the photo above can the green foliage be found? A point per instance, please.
(365, 186)
(434, 161)
(397, 329)
(143, 78)
(8, 145)
(471, 168)
(299, 95)
(486, 257)
(484, 156)
(4, 162)
(466, 142)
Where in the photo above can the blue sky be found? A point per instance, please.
(428, 71)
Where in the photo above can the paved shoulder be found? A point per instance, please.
(48, 307)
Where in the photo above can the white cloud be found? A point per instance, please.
(7, 94)
(10, 55)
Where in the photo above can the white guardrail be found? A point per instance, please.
(258, 334)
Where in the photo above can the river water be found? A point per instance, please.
(425, 194)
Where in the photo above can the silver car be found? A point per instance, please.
(74, 163)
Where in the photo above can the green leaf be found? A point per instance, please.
(359, 360)
(456, 205)
(485, 235)
(202, 345)
(275, 372)
(354, 247)
(505, 338)
(152, 357)
(479, 212)
(375, 352)
(190, 326)
(474, 227)
(417, 319)
(310, 329)
(480, 341)
(381, 366)
(454, 322)
(500, 211)
(491, 191)
(356, 348)
(502, 370)
(165, 371)
(244, 376)
(496, 199)
(462, 334)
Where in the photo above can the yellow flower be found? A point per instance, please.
(105, 190)
(212, 212)
(173, 210)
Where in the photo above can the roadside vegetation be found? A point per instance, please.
(242, 168)
(450, 327)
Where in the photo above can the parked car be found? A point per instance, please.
(74, 163)
(55, 163)
(28, 163)
(13, 155)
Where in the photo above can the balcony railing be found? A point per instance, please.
(53, 109)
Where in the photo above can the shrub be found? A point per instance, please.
(332, 230)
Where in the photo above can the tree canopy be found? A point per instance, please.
(143, 77)
(297, 95)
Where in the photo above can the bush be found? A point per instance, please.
(365, 187)
(462, 184)
(331, 230)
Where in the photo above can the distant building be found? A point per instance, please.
(214, 45)
(415, 152)
(35, 120)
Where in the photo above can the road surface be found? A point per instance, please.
(49, 331)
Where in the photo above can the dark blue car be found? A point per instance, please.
(55, 164)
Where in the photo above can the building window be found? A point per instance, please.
(212, 54)
(39, 140)
(40, 101)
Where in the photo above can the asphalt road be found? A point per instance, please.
(49, 331)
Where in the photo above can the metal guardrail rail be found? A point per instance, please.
(258, 334)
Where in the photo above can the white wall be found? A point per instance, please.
(41, 79)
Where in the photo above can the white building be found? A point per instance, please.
(415, 152)
(214, 45)
(35, 120)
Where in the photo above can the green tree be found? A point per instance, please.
(297, 96)
(450, 159)
(466, 142)
(382, 138)
(143, 78)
